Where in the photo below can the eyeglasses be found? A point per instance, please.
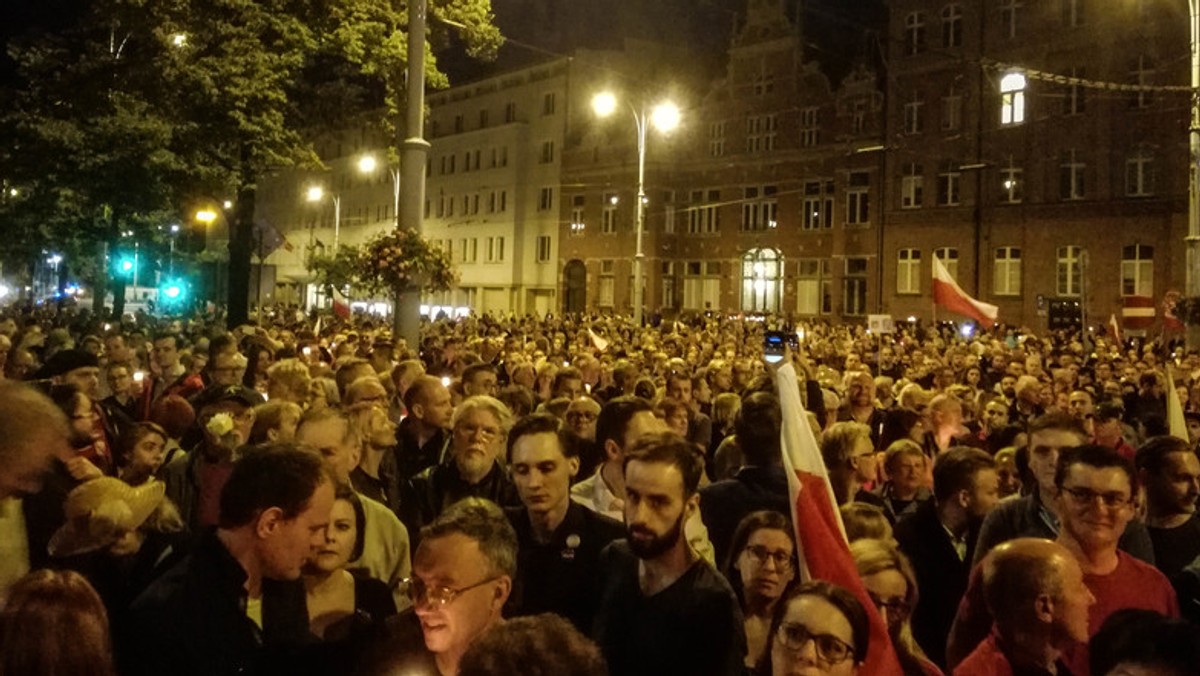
(760, 554)
(418, 592)
(1086, 496)
(897, 609)
(794, 636)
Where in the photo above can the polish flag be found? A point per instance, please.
(1138, 312)
(947, 293)
(821, 547)
(1115, 328)
(341, 306)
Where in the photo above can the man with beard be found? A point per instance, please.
(421, 435)
(860, 404)
(663, 609)
(939, 537)
(1170, 472)
(560, 539)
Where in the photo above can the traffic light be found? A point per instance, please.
(123, 265)
(172, 295)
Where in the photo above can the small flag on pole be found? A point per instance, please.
(822, 551)
(949, 295)
(1114, 327)
(600, 343)
(1176, 423)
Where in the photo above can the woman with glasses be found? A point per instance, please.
(817, 629)
(760, 565)
(343, 608)
(892, 585)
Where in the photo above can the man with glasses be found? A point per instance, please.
(663, 609)
(462, 575)
(1033, 515)
(560, 539)
(1035, 591)
(1095, 489)
(480, 379)
(582, 414)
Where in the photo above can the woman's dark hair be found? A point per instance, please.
(748, 526)
(345, 491)
(54, 623)
(838, 597)
(897, 424)
(539, 645)
(134, 434)
(1146, 638)
(253, 348)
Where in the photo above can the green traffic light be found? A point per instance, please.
(172, 292)
(126, 265)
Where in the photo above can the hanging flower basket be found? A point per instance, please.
(391, 262)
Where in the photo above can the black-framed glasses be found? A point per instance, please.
(761, 555)
(1086, 496)
(897, 609)
(418, 592)
(794, 636)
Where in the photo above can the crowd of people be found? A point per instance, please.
(580, 495)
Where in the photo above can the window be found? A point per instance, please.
(913, 122)
(704, 212)
(702, 285)
(548, 103)
(759, 207)
(669, 212)
(809, 131)
(1072, 13)
(760, 133)
(1069, 270)
(952, 104)
(458, 124)
(817, 208)
(716, 139)
(463, 250)
(546, 199)
(500, 157)
(908, 271)
(814, 287)
(1006, 271)
(667, 275)
(854, 287)
(607, 292)
(608, 213)
(483, 118)
(914, 33)
(948, 256)
(547, 152)
(912, 186)
(1142, 75)
(858, 118)
(495, 249)
(1075, 101)
(949, 179)
(1012, 98)
(577, 220)
(510, 112)
(1008, 17)
(473, 252)
(1070, 176)
(543, 248)
(1137, 270)
(762, 280)
(764, 84)
(1012, 185)
(1139, 174)
(858, 199)
(952, 26)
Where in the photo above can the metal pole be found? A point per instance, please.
(1192, 273)
(640, 219)
(395, 193)
(337, 222)
(406, 318)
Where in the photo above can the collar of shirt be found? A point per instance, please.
(959, 543)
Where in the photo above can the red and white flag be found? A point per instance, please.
(341, 305)
(949, 295)
(1171, 321)
(1138, 312)
(1114, 327)
(821, 547)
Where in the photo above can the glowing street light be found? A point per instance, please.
(316, 194)
(206, 216)
(367, 164)
(665, 116)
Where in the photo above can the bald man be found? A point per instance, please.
(1035, 592)
(422, 435)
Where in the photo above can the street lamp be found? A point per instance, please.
(367, 164)
(206, 216)
(664, 116)
(1192, 275)
(316, 194)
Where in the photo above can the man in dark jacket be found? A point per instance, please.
(236, 604)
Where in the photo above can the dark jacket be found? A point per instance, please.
(438, 487)
(941, 577)
(723, 504)
(192, 622)
(412, 457)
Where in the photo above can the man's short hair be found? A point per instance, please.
(955, 471)
(1097, 457)
(564, 374)
(1151, 456)
(541, 423)
(291, 374)
(164, 335)
(537, 644)
(615, 416)
(757, 424)
(668, 448)
(315, 416)
(469, 373)
(482, 521)
(837, 444)
(899, 449)
(345, 373)
(284, 476)
(1059, 421)
(268, 417)
(1013, 578)
(420, 390)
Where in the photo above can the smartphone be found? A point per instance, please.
(775, 343)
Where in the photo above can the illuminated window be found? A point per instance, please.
(1012, 98)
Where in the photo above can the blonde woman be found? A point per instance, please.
(892, 585)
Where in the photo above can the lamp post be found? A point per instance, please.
(1192, 274)
(367, 165)
(316, 194)
(665, 117)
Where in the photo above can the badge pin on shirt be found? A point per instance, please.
(568, 554)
